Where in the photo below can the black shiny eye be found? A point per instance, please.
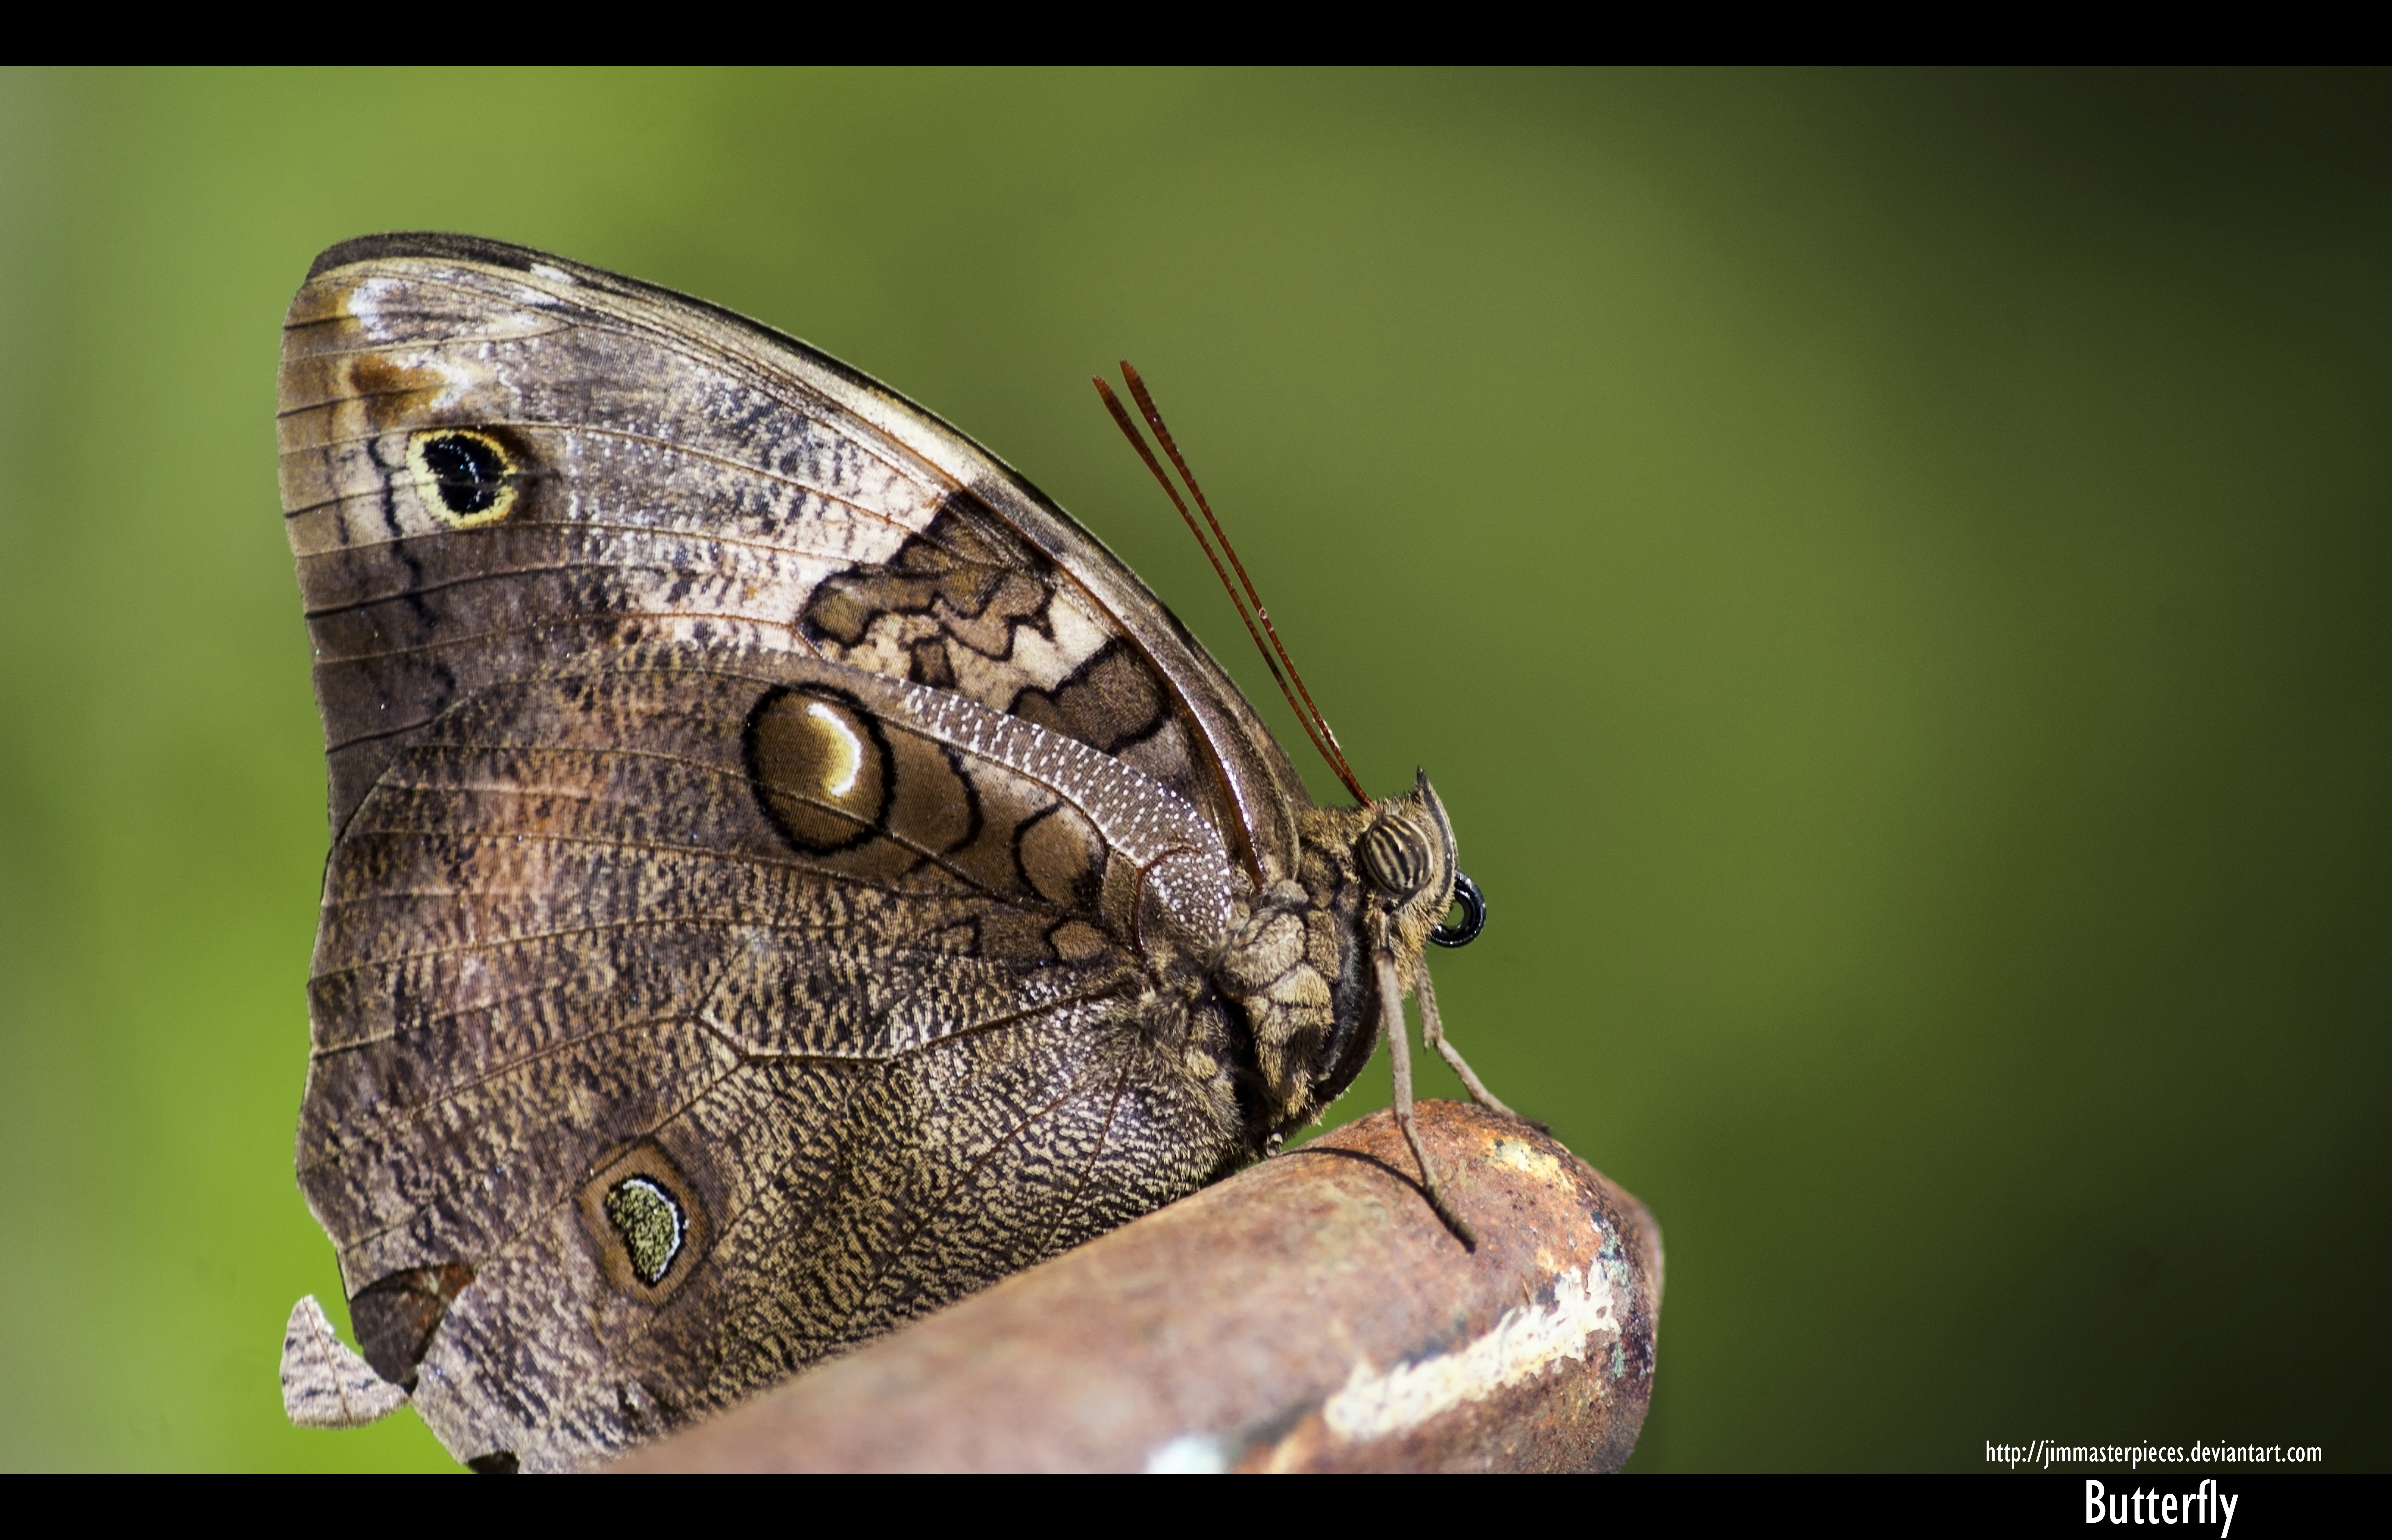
(469, 471)
(1472, 905)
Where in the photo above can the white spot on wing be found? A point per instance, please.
(364, 305)
(842, 779)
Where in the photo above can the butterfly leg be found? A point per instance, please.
(1433, 1035)
(1391, 1004)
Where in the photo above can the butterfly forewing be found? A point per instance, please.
(623, 464)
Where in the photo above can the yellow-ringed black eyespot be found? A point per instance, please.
(1472, 905)
(465, 477)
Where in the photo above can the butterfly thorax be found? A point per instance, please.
(1300, 963)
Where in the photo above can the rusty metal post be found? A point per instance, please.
(1310, 1313)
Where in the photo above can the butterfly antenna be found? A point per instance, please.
(1137, 442)
(1316, 727)
(1337, 753)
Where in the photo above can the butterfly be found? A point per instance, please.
(785, 873)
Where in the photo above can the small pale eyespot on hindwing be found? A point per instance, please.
(650, 1224)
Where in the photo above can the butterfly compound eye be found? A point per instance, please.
(1472, 905)
(1395, 857)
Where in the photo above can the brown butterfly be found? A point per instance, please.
(785, 874)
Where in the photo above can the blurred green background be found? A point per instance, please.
(1889, 571)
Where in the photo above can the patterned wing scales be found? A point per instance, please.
(682, 1015)
(495, 462)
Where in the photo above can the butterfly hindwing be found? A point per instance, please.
(831, 982)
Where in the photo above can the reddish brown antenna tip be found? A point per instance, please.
(1257, 620)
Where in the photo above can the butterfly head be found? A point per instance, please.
(1408, 856)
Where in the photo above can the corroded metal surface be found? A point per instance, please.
(1310, 1313)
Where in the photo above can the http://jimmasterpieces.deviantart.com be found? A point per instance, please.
(2044, 1455)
